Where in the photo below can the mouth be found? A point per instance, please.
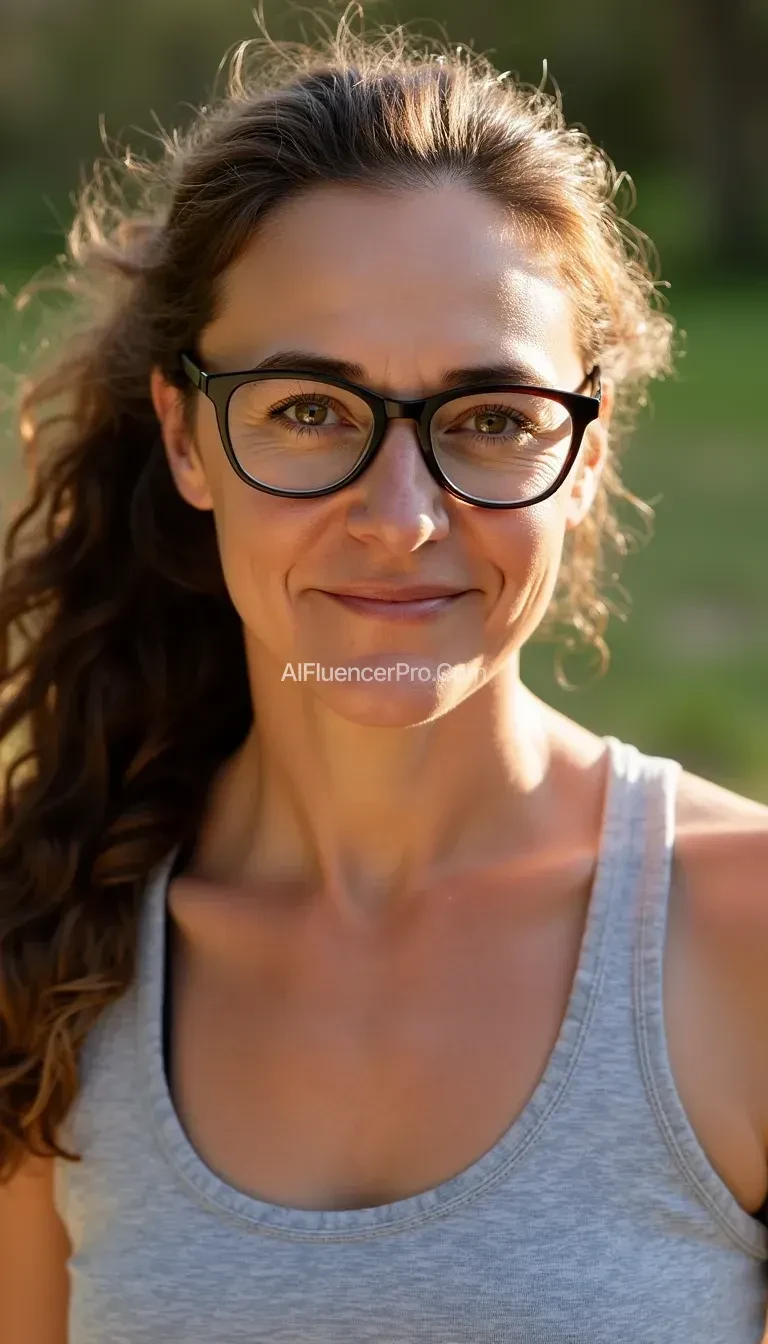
(391, 604)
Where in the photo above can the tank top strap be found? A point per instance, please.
(631, 999)
(151, 933)
(636, 861)
(638, 837)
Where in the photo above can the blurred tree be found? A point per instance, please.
(715, 60)
(673, 90)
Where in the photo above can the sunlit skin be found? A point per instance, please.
(368, 791)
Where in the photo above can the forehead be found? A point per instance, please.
(404, 283)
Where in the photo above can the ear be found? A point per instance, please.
(181, 450)
(593, 455)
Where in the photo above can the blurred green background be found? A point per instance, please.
(676, 91)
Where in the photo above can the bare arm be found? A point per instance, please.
(34, 1247)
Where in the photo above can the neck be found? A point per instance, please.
(368, 816)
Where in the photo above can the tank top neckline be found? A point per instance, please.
(485, 1171)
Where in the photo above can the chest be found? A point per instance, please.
(321, 1075)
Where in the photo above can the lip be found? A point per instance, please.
(388, 602)
(397, 592)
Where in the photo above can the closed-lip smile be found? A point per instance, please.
(390, 601)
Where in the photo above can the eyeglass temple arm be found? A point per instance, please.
(193, 373)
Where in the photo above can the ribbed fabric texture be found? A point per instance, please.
(595, 1219)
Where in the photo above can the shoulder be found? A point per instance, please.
(721, 900)
(722, 843)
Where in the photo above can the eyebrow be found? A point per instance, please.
(501, 372)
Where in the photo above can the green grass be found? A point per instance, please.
(690, 665)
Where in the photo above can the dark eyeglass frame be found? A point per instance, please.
(220, 387)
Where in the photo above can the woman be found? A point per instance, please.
(333, 952)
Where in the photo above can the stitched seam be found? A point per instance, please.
(708, 1198)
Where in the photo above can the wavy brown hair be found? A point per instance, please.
(122, 669)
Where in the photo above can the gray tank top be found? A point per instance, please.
(595, 1219)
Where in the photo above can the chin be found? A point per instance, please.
(391, 693)
(386, 706)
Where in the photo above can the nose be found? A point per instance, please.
(396, 501)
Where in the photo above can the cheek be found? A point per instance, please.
(261, 538)
(525, 545)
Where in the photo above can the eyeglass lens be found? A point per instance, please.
(497, 445)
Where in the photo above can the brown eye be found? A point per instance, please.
(491, 422)
(310, 412)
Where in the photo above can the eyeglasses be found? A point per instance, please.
(302, 434)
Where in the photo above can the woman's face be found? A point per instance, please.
(405, 287)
